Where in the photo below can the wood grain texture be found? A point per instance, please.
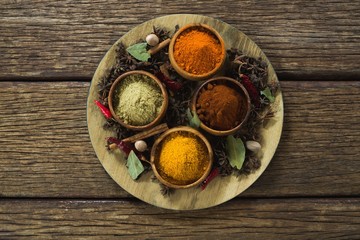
(67, 39)
(245, 219)
(45, 149)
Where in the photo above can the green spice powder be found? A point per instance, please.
(138, 100)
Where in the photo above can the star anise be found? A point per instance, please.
(223, 161)
(256, 69)
(251, 164)
(105, 84)
(124, 61)
(165, 190)
(127, 59)
(250, 130)
(161, 33)
(179, 102)
(274, 87)
(220, 156)
(121, 132)
(176, 113)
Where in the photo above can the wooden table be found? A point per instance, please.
(53, 186)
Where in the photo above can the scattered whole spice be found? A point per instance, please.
(251, 164)
(253, 146)
(104, 110)
(138, 100)
(251, 72)
(255, 68)
(213, 174)
(161, 33)
(140, 145)
(235, 151)
(170, 84)
(251, 89)
(139, 51)
(152, 39)
(125, 147)
(178, 104)
(134, 165)
(183, 158)
(198, 51)
(165, 190)
(154, 50)
(147, 133)
(220, 107)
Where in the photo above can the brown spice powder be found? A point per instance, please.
(219, 107)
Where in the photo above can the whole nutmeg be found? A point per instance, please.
(152, 39)
(140, 145)
(253, 146)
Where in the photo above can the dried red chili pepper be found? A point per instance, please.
(170, 84)
(251, 89)
(125, 147)
(215, 172)
(104, 110)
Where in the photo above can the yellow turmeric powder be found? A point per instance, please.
(198, 51)
(183, 158)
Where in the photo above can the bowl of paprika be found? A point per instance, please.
(222, 105)
(197, 52)
(181, 157)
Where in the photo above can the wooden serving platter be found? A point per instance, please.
(221, 189)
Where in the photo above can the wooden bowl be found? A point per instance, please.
(240, 89)
(154, 158)
(163, 107)
(182, 72)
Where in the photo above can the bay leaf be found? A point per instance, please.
(235, 151)
(139, 51)
(193, 118)
(134, 165)
(267, 94)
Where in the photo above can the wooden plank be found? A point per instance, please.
(64, 39)
(246, 219)
(45, 149)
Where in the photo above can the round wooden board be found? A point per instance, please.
(221, 189)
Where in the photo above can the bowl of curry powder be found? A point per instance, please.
(181, 157)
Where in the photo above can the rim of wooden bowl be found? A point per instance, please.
(157, 143)
(163, 107)
(240, 88)
(186, 74)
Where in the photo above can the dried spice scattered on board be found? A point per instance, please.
(252, 73)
